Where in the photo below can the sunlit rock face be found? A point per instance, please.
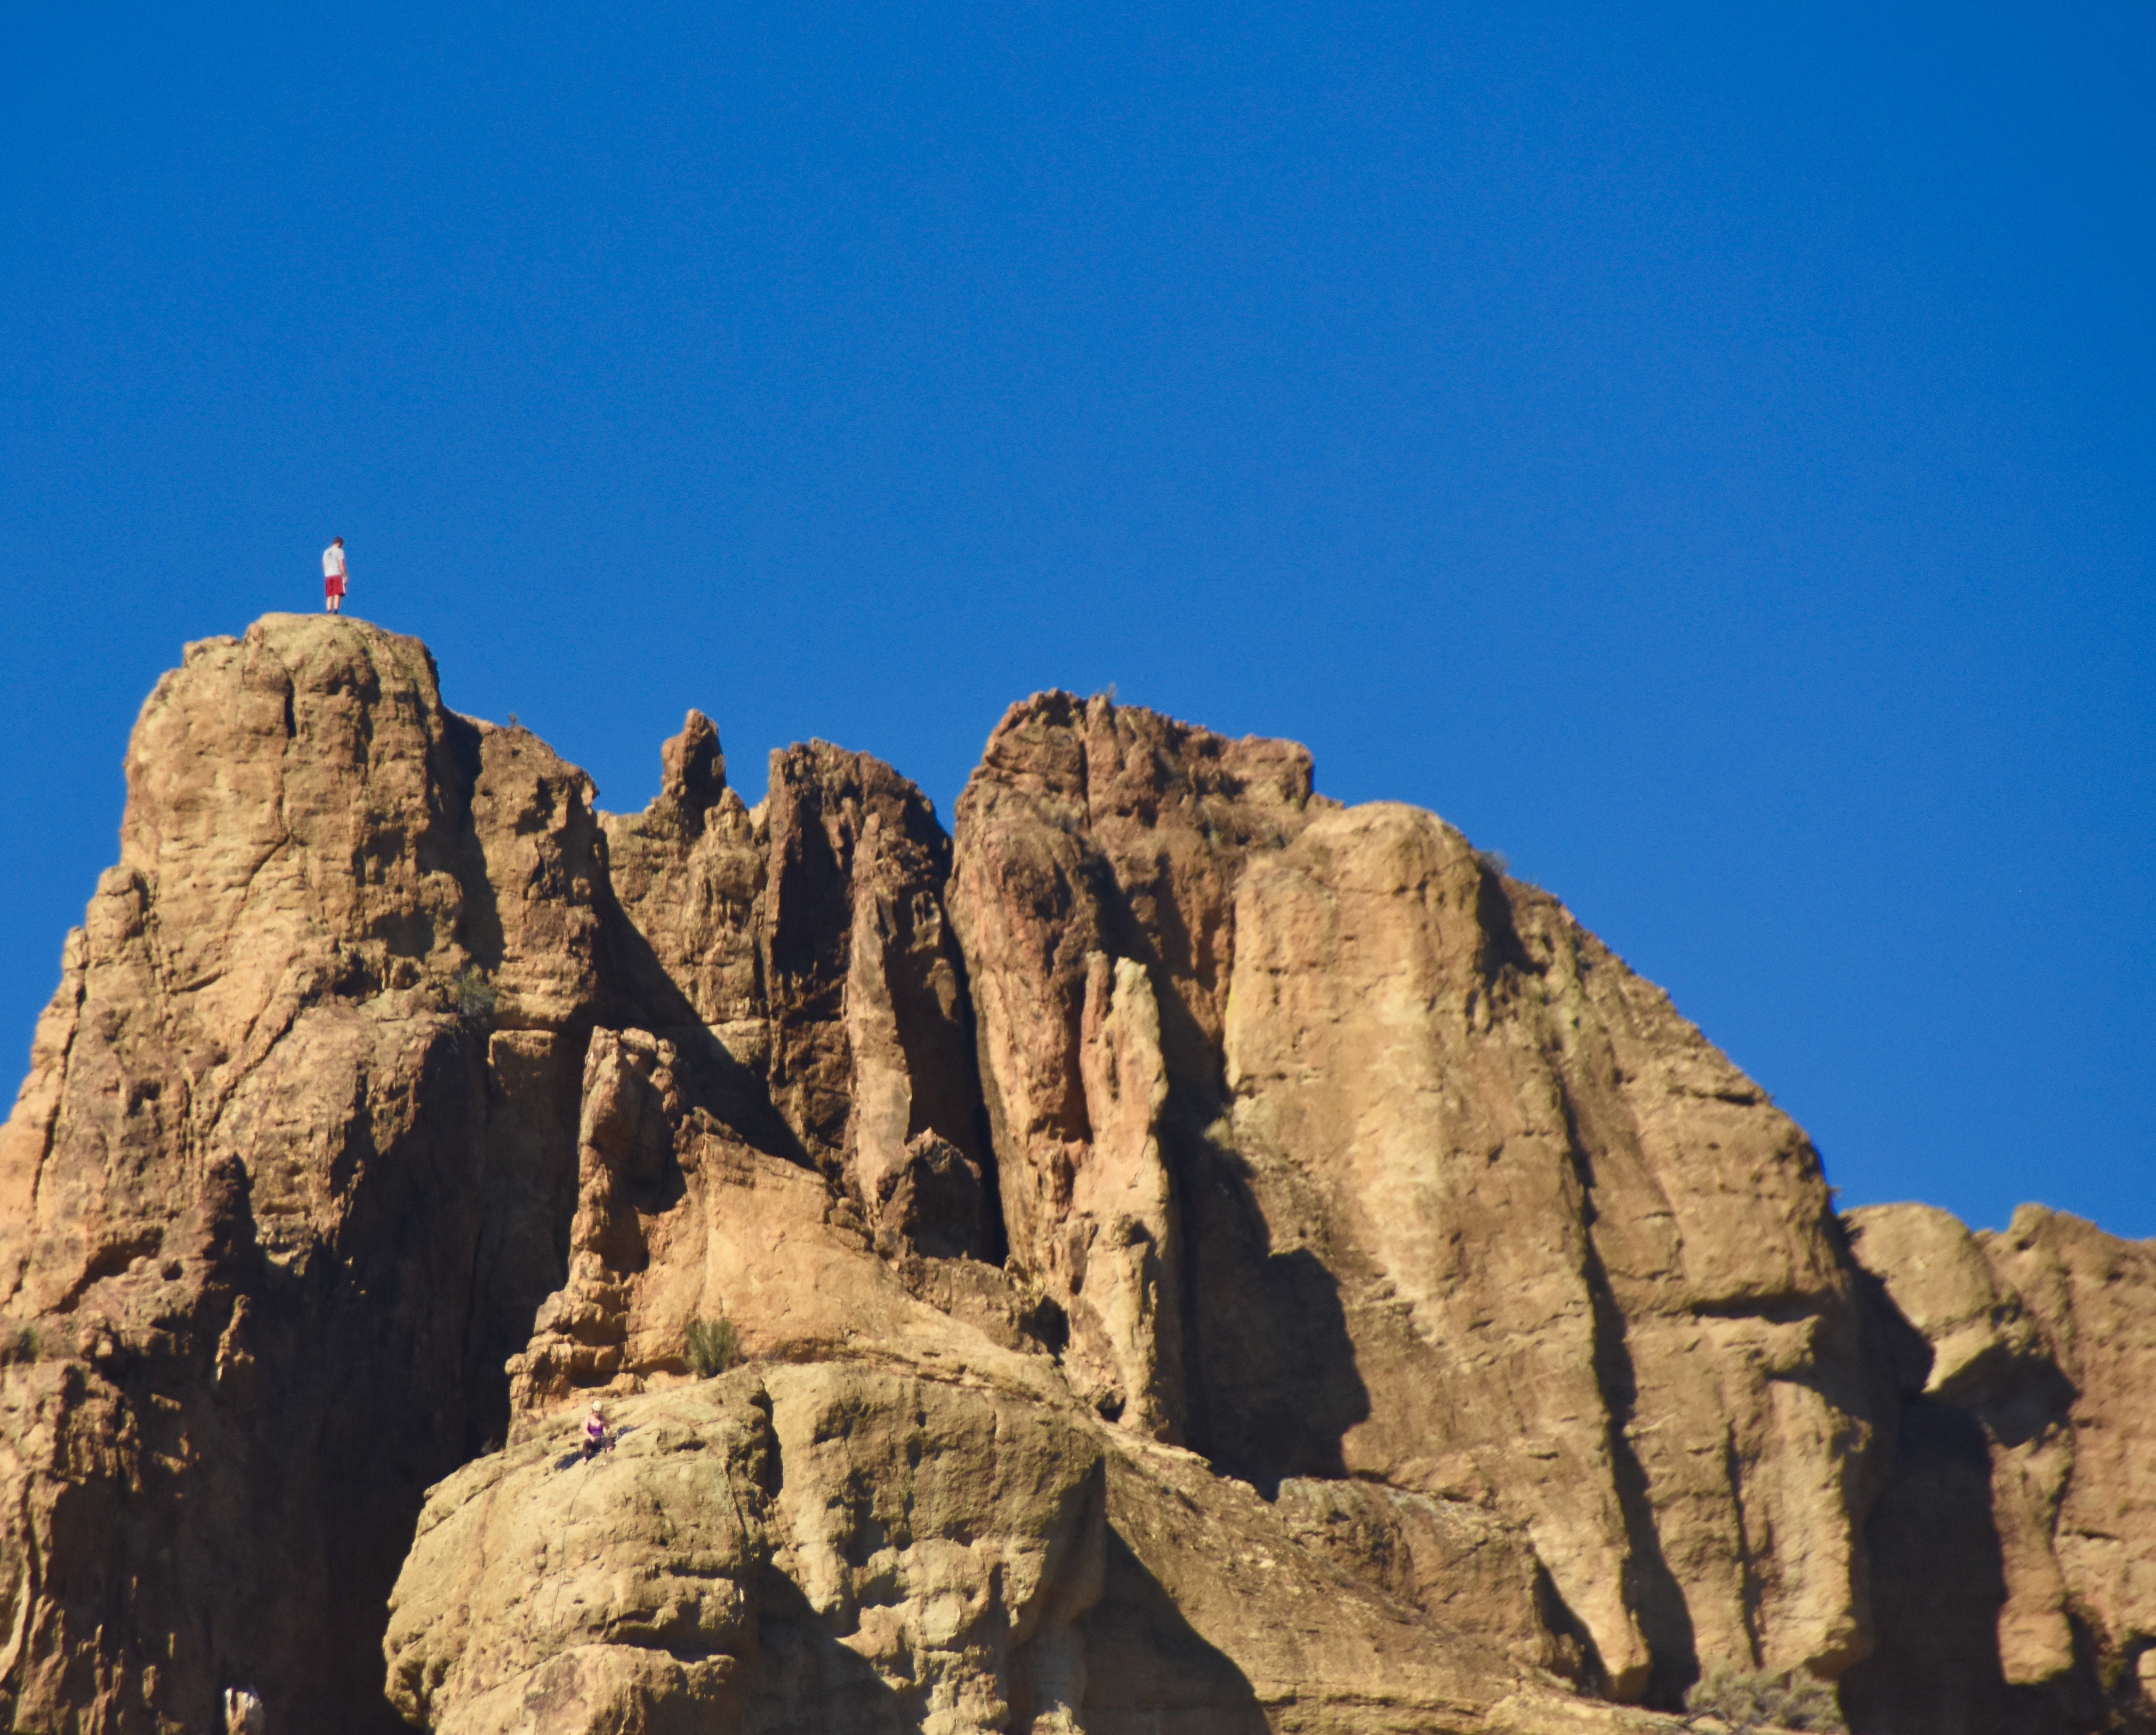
(2014, 1548)
(279, 1194)
(1195, 1258)
(1348, 1156)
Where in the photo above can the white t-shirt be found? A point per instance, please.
(333, 562)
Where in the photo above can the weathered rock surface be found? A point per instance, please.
(1209, 1260)
(857, 1348)
(544, 1593)
(802, 953)
(1348, 1156)
(1093, 843)
(2015, 1543)
(826, 1545)
(273, 1209)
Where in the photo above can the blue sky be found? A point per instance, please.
(1704, 452)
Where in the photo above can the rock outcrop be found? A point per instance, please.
(2015, 1545)
(275, 1204)
(828, 1545)
(1206, 1259)
(1349, 1156)
(800, 953)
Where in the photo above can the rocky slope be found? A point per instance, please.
(1207, 1259)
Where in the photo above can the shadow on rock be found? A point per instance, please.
(1147, 1671)
(807, 1682)
(1277, 1384)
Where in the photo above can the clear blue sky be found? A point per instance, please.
(1704, 452)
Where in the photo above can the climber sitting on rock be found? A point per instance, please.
(597, 1437)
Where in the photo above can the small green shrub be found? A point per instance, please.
(713, 1345)
(474, 994)
(1748, 1699)
(23, 1344)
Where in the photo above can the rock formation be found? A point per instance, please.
(275, 1205)
(1389, 1170)
(2015, 1548)
(1204, 1259)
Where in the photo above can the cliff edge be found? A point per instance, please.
(1200, 1259)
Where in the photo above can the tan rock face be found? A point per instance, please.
(1093, 840)
(799, 959)
(823, 1546)
(1460, 1564)
(678, 1219)
(1454, 1201)
(1221, 1611)
(2014, 1537)
(1209, 1261)
(841, 1546)
(545, 1593)
(272, 1208)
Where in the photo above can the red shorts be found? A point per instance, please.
(333, 584)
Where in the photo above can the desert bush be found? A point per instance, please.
(1752, 1699)
(474, 994)
(23, 1344)
(713, 1345)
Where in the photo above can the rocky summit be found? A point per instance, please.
(1168, 1256)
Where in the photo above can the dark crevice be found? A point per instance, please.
(1651, 1590)
(457, 769)
(995, 1232)
(1750, 1590)
(1502, 948)
(1274, 1383)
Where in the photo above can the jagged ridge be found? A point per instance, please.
(1431, 1309)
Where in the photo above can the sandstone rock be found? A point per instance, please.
(802, 947)
(2012, 1540)
(1210, 1260)
(1453, 1201)
(934, 1556)
(2094, 1297)
(1216, 1617)
(1984, 1344)
(679, 1220)
(1094, 843)
(947, 1536)
(272, 1207)
(545, 1593)
(823, 1546)
(935, 1205)
(1464, 1566)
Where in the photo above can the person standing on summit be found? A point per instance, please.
(333, 574)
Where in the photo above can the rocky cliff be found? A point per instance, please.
(1199, 1259)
